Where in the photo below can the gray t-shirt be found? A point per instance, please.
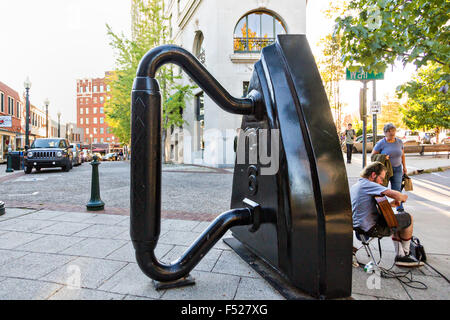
(349, 134)
(393, 149)
(363, 204)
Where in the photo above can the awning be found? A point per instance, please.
(99, 150)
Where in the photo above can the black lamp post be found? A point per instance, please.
(46, 102)
(27, 85)
(59, 126)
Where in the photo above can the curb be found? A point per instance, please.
(422, 171)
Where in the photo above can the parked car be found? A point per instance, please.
(358, 145)
(109, 157)
(76, 151)
(86, 155)
(409, 135)
(428, 138)
(48, 153)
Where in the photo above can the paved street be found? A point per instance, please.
(44, 248)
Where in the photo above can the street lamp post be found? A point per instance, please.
(46, 102)
(91, 141)
(59, 127)
(27, 85)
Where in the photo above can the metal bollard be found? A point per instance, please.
(9, 163)
(2, 208)
(95, 203)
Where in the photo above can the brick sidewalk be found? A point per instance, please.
(41, 251)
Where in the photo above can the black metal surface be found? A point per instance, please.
(300, 215)
(308, 201)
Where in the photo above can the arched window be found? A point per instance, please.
(256, 30)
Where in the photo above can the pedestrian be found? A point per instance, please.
(120, 155)
(350, 136)
(392, 147)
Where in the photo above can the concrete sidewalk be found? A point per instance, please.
(71, 255)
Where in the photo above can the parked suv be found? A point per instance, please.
(48, 153)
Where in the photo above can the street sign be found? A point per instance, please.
(5, 121)
(362, 75)
(375, 107)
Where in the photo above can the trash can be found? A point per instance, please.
(17, 160)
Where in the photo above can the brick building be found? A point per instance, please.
(91, 96)
(11, 105)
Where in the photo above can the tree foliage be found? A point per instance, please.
(428, 105)
(148, 31)
(375, 33)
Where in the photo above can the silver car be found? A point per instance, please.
(76, 150)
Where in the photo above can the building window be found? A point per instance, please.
(199, 107)
(95, 130)
(2, 102)
(102, 140)
(101, 88)
(95, 99)
(81, 120)
(81, 110)
(245, 85)
(102, 120)
(256, 30)
(101, 110)
(18, 109)
(87, 120)
(87, 130)
(95, 89)
(102, 99)
(95, 140)
(10, 106)
(95, 120)
(102, 130)
(87, 110)
(95, 110)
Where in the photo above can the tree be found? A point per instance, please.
(330, 67)
(332, 71)
(428, 105)
(378, 32)
(148, 31)
(390, 112)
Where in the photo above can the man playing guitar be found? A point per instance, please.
(367, 220)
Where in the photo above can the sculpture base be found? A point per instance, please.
(275, 279)
(183, 282)
(95, 205)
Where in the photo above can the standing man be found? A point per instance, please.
(350, 136)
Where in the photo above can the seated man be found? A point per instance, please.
(367, 220)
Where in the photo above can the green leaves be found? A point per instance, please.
(376, 33)
(149, 31)
(428, 106)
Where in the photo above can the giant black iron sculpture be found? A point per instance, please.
(297, 219)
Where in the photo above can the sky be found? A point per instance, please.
(56, 42)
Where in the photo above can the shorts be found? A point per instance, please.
(380, 229)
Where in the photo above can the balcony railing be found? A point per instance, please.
(251, 44)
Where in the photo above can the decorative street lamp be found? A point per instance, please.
(59, 127)
(27, 85)
(46, 102)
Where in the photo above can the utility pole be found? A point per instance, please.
(363, 113)
(374, 116)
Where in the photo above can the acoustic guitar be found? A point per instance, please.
(385, 209)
